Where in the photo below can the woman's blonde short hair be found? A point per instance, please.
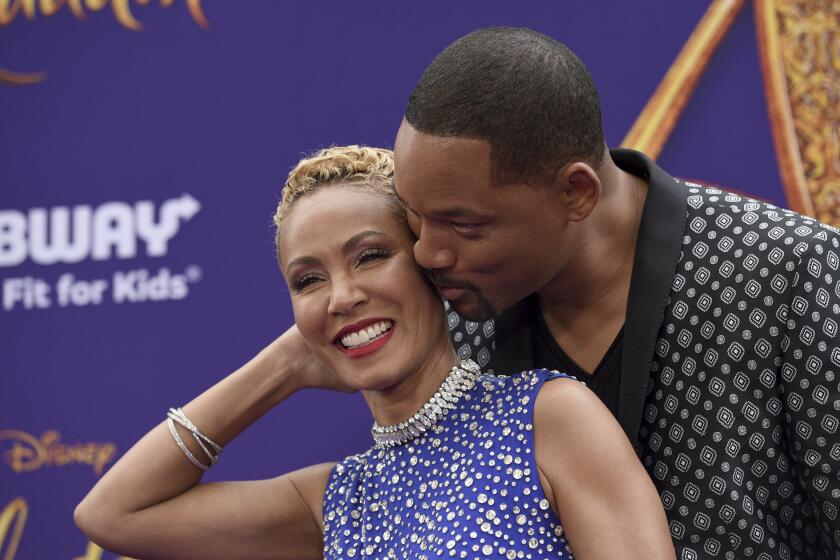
(368, 169)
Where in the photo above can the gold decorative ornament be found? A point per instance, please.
(799, 45)
(656, 121)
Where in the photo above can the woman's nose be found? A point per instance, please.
(345, 296)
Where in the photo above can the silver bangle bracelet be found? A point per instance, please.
(202, 440)
(182, 446)
(187, 423)
(212, 453)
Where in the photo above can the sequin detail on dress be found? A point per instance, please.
(468, 488)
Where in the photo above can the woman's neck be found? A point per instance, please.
(402, 400)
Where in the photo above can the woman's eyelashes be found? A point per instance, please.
(372, 254)
(304, 281)
(366, 256)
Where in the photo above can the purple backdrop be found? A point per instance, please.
(220, 115)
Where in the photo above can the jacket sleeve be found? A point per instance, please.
(809, 380)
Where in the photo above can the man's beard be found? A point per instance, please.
(473, 305)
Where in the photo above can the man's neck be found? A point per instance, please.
(584, 307)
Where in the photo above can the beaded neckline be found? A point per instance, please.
(461, 379)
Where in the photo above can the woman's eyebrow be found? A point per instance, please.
(351, 243)
(300, 261)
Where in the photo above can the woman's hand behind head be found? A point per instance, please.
(293, 355)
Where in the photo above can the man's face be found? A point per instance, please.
(485, 246)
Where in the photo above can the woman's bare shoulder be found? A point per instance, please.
(567, 415)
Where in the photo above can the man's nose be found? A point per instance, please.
(345, 295)
(431, 253)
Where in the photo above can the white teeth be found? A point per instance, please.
(365, 335)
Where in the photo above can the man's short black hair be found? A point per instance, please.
(526, 94)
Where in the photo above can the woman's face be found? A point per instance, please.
(359, 299)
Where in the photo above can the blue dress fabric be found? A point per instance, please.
(467, 488)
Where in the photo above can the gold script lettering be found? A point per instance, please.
(29, 453)
(14, 513)
(10, 9)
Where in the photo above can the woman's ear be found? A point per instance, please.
(581, 189)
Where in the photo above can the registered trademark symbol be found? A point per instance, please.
(193, 273)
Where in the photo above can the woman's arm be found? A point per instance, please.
(606, 502)
(150, 503)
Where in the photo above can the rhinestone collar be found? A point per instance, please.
(461, 379)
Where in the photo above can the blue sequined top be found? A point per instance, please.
(468, 488)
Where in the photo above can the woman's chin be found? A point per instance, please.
(376, 371)
(374, 379)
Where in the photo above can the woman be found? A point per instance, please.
(463, 465)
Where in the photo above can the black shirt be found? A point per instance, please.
(604, 381)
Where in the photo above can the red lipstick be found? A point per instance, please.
(357, 326)
(366, 349)
(369, 348)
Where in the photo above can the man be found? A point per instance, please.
(705, 321)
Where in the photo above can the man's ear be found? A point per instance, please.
(582, 189)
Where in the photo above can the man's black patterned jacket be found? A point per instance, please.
(730, 384)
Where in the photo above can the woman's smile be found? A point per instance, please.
(365, 337)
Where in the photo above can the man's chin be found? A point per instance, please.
(474, 307)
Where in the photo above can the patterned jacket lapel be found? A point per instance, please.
(657, 253)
